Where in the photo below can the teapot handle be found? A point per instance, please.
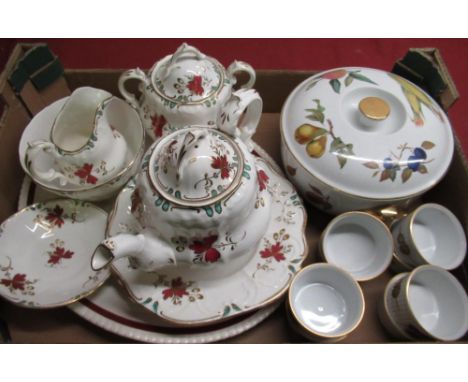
(135, 74)
(241, 66)
(47, 176)
(240, 115)
(183, 50)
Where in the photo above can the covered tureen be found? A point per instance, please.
(358, 138)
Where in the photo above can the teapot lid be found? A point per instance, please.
(196, 166)
(368, 133)
(188, 77)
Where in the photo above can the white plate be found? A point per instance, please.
(44, 261)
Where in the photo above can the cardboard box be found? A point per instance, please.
(63, 326)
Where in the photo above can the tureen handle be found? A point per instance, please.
(182, 51)
(240, 115)
(136, 74)
(240, 66)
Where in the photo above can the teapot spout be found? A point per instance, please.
(148, 252)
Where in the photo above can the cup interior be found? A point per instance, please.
(439, 303)
(358, 243)
(326, 300)
(439, 236)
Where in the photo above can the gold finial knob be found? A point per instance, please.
(374, 108)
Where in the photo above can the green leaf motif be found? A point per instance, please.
(158, 202)
(406, 174)
(226, 311)
(147, 301)
(155, 306)
(165, 206)
(218, 208)
(336, 85)
(317, 112)
(311, 85)
(235, 307)
(371, 165)
(341, 160)
(348, 81)
(292, 269)
(246, 175)
(209, 211)
(422, 169)
(360, 77)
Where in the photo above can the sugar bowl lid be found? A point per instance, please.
(188, 76)
(368, 133)
(196, 166)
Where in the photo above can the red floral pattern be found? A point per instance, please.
(55, 217)
(17, 282)
(177, 289)
(59, 254)
(205, 248)
(275, 251)
(157, 123)
(195, 85)
(221, 163)
(85, 173)
(262, 179)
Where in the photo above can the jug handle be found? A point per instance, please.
(241, 66)
(135, 74)
(47, 176)
(183, 50)
(240, 115)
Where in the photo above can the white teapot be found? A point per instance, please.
(195, 199)
(189, 88)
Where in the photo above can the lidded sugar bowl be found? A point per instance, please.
(358, 138)
(189, 88)
(196, 185)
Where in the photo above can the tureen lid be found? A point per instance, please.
(367, 132)
(188, 76)
(195, 167)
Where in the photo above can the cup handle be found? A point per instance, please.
(241, 66)
(135, 74)
(31, 152)
(240, 115)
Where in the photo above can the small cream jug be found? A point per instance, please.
(85, 149)
(190, 88)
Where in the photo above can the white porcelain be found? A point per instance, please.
(190, 88)
(197, 188)
(91, 181)
(190, 295)
(345, 153)
(110, 308)
(430, 302)
(326, 301)
(44, 260)
(84, 147)
(359, 243)
(431, 234)
(385, 317)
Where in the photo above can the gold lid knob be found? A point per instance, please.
(374, 108)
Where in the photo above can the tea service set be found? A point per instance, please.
(203, 225)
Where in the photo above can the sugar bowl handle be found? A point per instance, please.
(240, 66)
(182, 51)
(34, 148)
(135, 74)
(240, 115)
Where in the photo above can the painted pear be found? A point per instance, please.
(305, 133)
(316, 148)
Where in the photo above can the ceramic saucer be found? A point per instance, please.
(125, 121)
(45, 252)
(181, 297)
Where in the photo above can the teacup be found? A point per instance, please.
(359, 243)
(429, 303)
(325, 303)
(85, 147)
(431, 234)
